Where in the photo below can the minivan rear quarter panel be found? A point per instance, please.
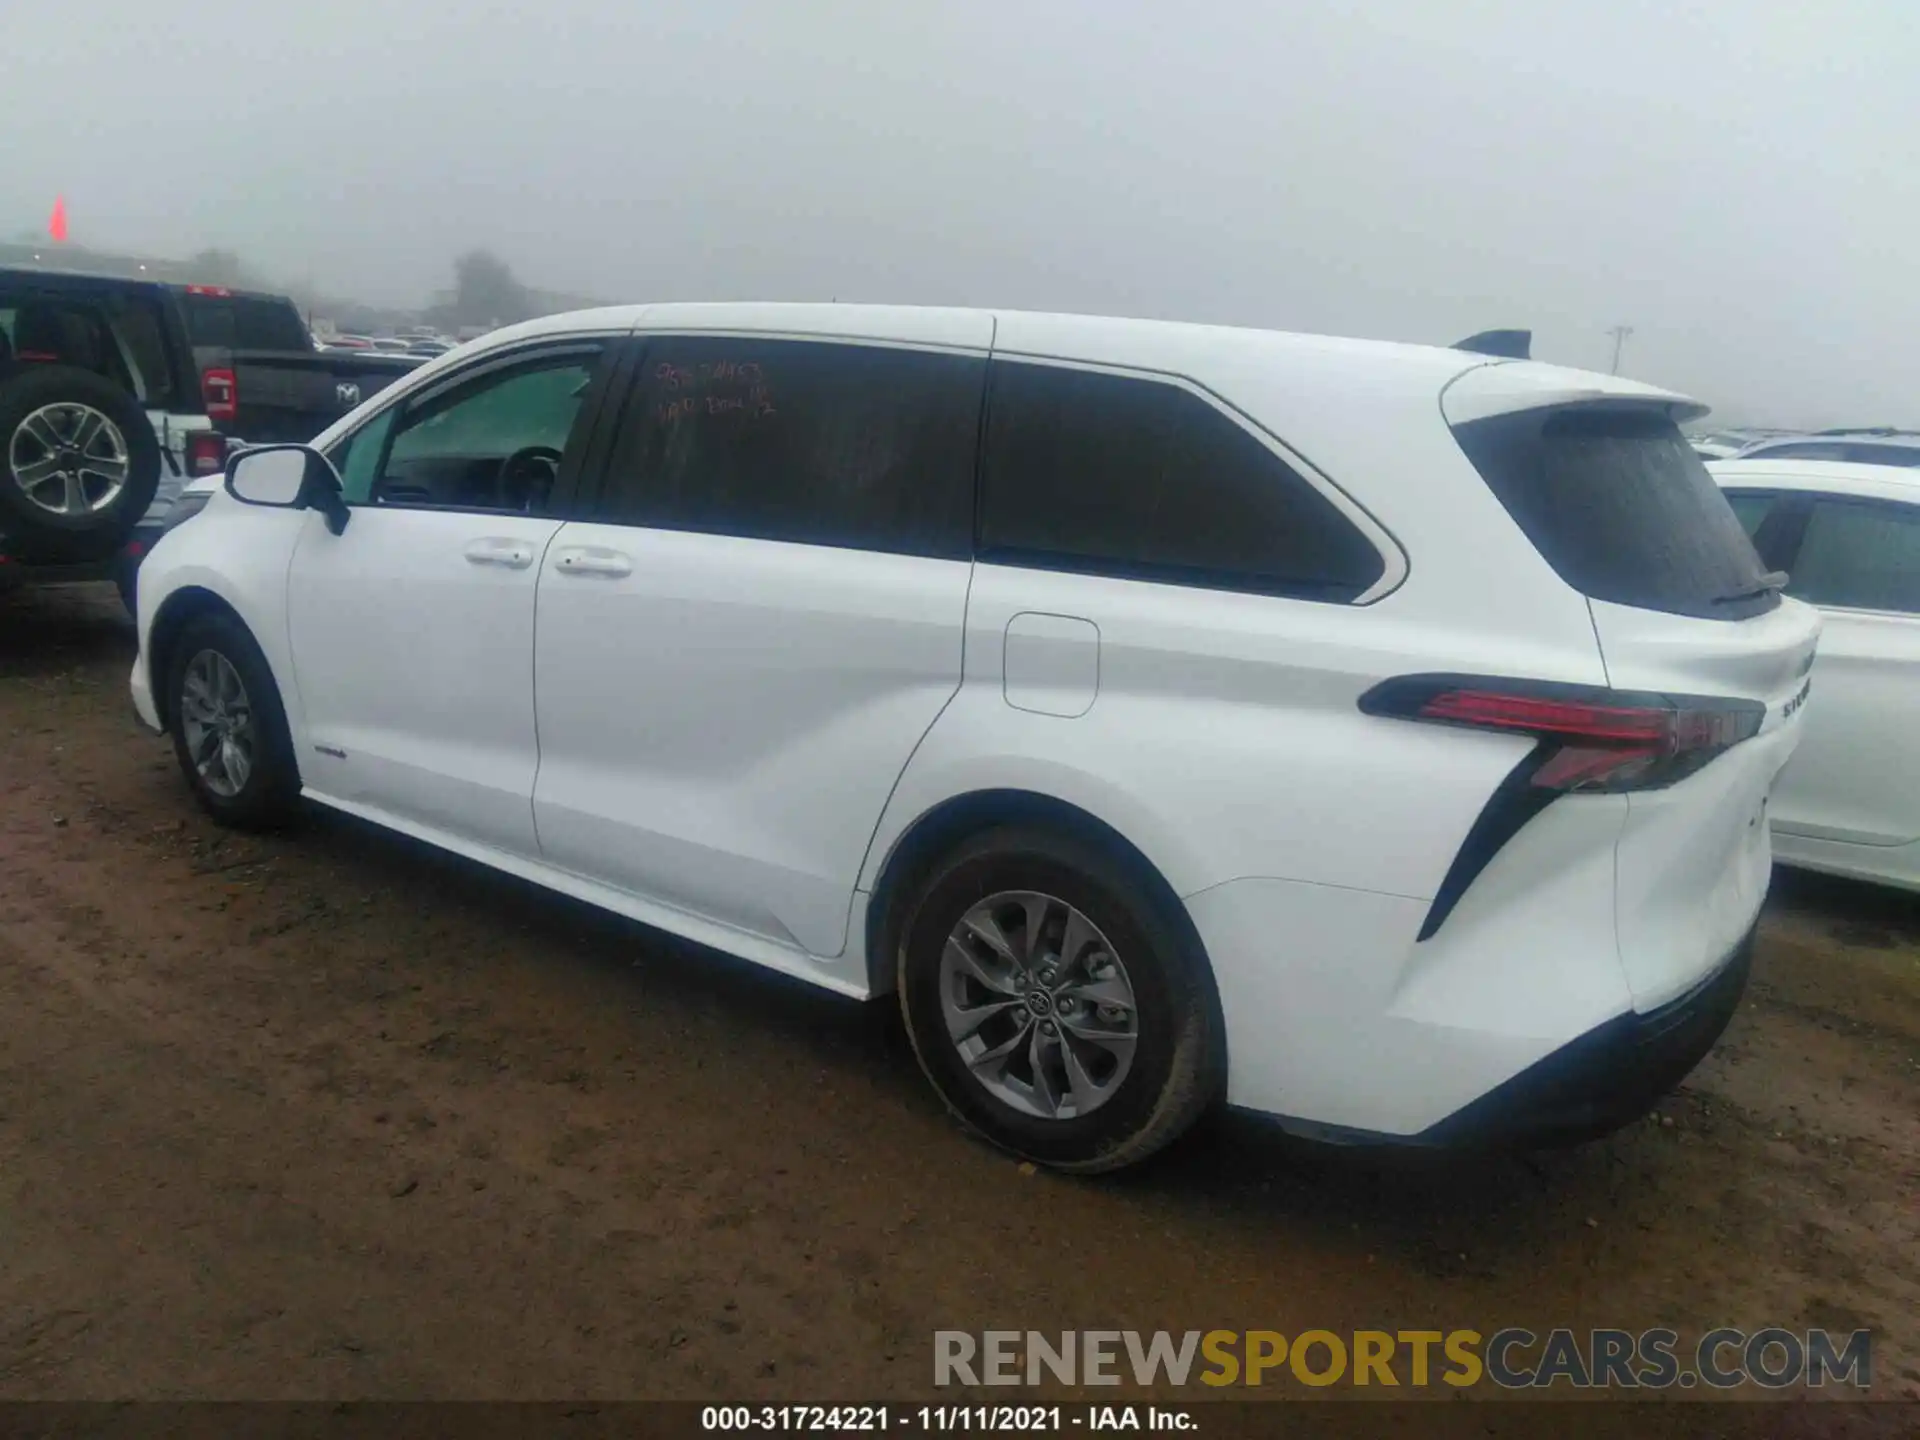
(1225, 740)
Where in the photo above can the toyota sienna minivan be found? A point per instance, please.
(1374, 736)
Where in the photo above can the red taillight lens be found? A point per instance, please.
(1496, 710)
(1590, 738)
(222, 394)
(206, 452)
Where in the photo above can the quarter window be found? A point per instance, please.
(1751, 507)
(858, 446)
(1860, 556)
(1134, 477)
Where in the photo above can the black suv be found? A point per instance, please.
(101, 416)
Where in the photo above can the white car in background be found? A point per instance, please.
(1864, 447)
(1848, 537)
(1375, 736)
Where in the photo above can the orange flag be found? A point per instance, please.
(57, 224)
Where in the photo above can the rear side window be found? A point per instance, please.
(142, 335)
(1860, 556)
(1617, 502)
(1117, 475)
(114, 333)
(237, 322)
(862, 447)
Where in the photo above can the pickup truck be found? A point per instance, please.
(263, 379)
(101, 422)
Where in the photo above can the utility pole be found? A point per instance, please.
(1619, 334)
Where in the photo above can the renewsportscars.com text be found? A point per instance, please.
(1512, 1358)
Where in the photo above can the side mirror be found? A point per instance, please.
(288, 477)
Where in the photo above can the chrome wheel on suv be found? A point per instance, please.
(1038, 1006)
(69, 459)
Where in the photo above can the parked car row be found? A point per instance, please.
(1380, 738)
(424, 344)
(1879, 446)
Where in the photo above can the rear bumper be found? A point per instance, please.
(1591, 1086)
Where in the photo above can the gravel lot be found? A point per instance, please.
(332, 1116)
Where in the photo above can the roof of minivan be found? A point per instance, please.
(1832, 477)
(1168, 345)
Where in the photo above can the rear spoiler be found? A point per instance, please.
(1506, 344)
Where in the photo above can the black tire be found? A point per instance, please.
(42, 533)
(269, 794)
(1178, 1060)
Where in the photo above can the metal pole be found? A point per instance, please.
(1620, 334)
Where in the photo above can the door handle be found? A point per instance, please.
(510, 554)
(592, 560)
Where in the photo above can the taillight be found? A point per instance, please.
(206, 452)
(221, 392)
(1589, 738)
(1586, 739)
(218, 291)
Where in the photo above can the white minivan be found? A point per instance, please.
(1373, 736)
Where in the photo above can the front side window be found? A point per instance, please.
(863, 447)
(357, 457)
(494, 441)
(1859, 556)
(1143, 479)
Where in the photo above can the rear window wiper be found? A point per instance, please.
(1772, 581)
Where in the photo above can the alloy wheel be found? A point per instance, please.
(1038, 1005)
(216, 719)
(69, 459)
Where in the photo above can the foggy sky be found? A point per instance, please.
(1734, 178)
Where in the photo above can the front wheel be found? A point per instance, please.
(229, 729)
(1059, 1008)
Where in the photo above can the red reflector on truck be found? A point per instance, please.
(222, 394)
(206, 453)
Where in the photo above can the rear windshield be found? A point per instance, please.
(1619, 504)
(239, 323)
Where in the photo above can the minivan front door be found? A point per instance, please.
(412, 630)
(737, 656)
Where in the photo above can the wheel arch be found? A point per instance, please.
(952, 821)
(184, 605)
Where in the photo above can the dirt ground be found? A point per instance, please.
(332, 1116)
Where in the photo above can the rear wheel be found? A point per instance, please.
(229, 729)
(79, 464)
(1057, 1007)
